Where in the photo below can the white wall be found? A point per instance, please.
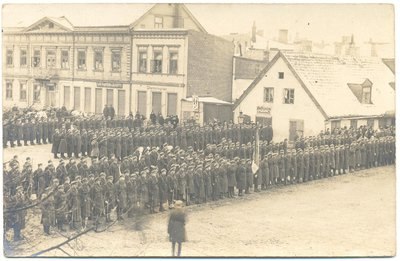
(239, 86)
(302, 109)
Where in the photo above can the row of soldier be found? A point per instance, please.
(122, 142)
(135, 184)
(18, 132)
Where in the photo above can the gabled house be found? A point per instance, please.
(301, 94)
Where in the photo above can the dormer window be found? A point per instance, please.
(366, 95)
(51, 25)
(158, 22)
(281, 75)
(362, 91)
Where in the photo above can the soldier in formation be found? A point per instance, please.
(150, 178)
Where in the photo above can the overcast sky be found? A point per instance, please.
(316, 22)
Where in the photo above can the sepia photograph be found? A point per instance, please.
(198, 130)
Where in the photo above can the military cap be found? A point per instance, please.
(102, 174)
(91, 175)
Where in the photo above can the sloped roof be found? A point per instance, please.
(84, 15)
(325, 79)
(390, 63)
(60, 21)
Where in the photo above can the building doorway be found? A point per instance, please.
(296, 129)
(99, 101)
(77, 98)
(121, 102)
(264, 121)
(51, 95)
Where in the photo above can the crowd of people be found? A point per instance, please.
(149, 178)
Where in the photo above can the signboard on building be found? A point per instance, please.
(196, 105)
(109, 85)
(263, 110)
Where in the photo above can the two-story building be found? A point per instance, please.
(54, 63)
(301, 94)
(152, 64)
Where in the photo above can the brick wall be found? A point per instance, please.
(248, 68)
(210, 63)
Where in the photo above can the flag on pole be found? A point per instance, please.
(256, 154)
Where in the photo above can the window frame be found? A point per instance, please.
(55, 58)
(171, 53)
(114, 52)
(9, 57)
(363, 92)
(62, 59)
(142, 50)
(266, 97)
(37, 58)
(9, 91)
(21, 56)
(79, 65)
(36, 98)
(157, 53)
(96, 67)
(291, 93)
(157, 24)
(23, 91)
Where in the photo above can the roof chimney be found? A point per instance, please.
(283, 36)
(177, 16)
(254, 32)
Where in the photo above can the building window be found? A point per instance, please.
(353, 124)
(116, 60)
(22, 91)
(10, 54)
(36, 93)
(9, 90)
(281, 75)
(288, 96)
(51, 59)
(158, 22)
(36, 58)
(23, 58)
(82, 60)
(65, 59)
(142, 59)
(51, 25)
(172, 99)
(370, 123)
(335, 125)
(98, 60)
(366, 95)
(269, 94)
(157, 61)
(173, 62)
